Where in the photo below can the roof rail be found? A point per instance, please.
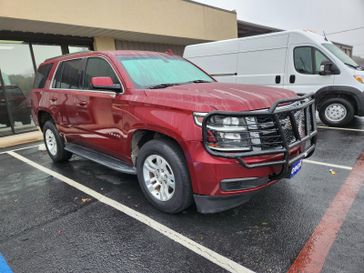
(64, 55)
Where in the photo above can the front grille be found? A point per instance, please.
(287, 124)
(269, 135)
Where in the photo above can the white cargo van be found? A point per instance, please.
(302, 61)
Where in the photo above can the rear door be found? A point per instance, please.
(303, 69)
(66, 96)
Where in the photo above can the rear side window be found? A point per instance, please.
(42, 75)
(98, 67)
(69, 75)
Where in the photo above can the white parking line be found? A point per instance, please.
(22, 148)
(199, 249)
(341, 129)
(327, 164)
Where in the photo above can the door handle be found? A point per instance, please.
(54, 99)
(3, 100)
(292, 78)
(278, 79)
(82, 103)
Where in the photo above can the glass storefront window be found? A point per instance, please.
(43, 52)
(17, 71)
(75, 49)
(18, 60)
(5, 128)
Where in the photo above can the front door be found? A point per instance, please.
(101, 121)
(303, 70)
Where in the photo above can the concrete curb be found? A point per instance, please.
(14, 140)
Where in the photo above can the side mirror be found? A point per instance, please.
(328, 68)
(104, 83)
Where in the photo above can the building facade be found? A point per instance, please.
(32, 31)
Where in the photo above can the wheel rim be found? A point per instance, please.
(335, 112)
(159, 177)
(51, 143)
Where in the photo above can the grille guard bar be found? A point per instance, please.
(307, 104)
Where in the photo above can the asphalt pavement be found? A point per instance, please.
(48, 226)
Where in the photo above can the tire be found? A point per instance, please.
(336, 112)
(164, 197)
(54, 143)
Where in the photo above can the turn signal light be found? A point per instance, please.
(359, 78)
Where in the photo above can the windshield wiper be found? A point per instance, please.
(165, 85)
(353, 66)
(162, 85)
(197, 81)
(200, 81)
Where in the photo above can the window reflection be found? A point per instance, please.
(43, 52)
(17, 71)
(75, 49)
(18, 74)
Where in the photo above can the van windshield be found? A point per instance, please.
(341, 55)
(161, 71)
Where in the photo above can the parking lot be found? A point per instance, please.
(82, 217)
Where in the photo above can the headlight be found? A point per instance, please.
(226, 133)
(359, 78)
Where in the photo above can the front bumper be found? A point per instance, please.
(223, 180)
(218, 203)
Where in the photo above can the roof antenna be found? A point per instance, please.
(325, 35)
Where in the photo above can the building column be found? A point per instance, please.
(104, 43)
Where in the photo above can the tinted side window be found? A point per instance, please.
(97, 67)
(57, 77)
(14, 93)
(69, 75)
(42, 75)
(319, 58)
(303, 60)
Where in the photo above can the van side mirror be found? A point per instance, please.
(328, 68)
(104, 83)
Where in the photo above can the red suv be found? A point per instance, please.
(187, 137)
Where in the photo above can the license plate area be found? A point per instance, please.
(295, 168)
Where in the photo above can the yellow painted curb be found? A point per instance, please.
(13, 140)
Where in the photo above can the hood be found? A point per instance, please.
(205, 97)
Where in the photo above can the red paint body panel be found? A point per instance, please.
(102, 81)
(107, 121)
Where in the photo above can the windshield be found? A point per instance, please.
(158, 71)
(341, 55)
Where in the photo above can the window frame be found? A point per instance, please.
(85, 58)
(61, 67)
(313, 59)
(46, 77)
(112, 68)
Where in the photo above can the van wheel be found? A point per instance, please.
(54, 143)
(163, 176)
(336, 112)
